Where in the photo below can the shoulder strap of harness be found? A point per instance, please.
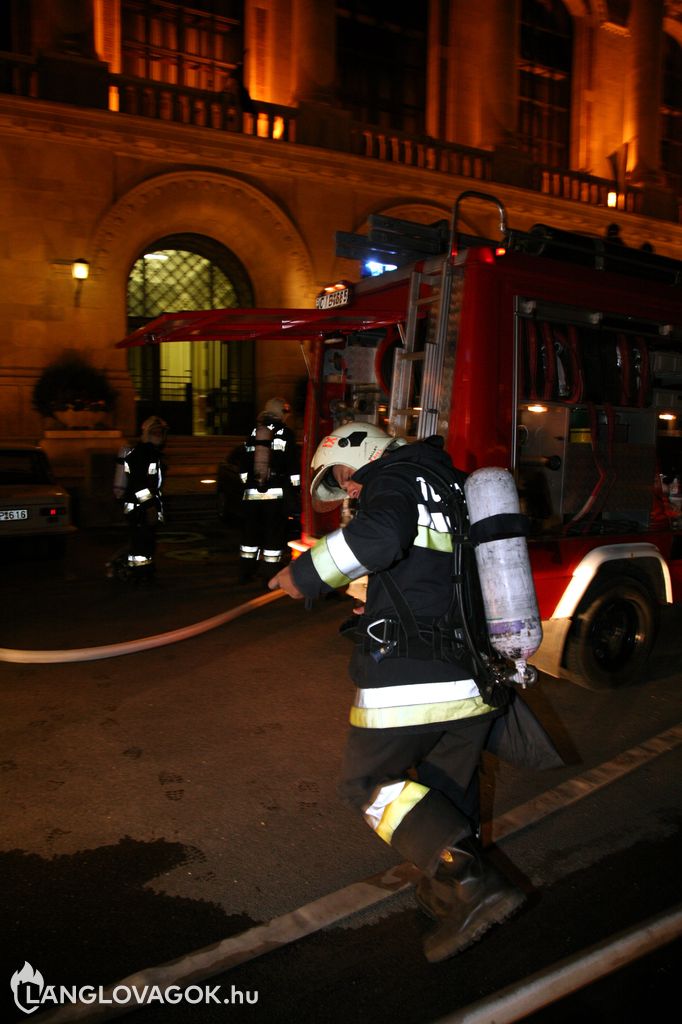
(466, 603)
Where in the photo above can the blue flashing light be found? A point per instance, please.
(372, 268)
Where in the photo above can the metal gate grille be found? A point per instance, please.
(173, 279)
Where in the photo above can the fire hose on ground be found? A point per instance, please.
(174, 636)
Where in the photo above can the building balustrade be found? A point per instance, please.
(20, 76)
(580, 187)
(424, 152)
(200, 108)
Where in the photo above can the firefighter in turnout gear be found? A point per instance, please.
(270, 472)
(137, 482)
(419, 721)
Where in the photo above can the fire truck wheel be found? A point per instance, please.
(612, 635)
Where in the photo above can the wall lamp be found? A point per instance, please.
(80, 271)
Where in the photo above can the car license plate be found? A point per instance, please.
(13, 513)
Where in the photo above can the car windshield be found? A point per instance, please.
(17, 467)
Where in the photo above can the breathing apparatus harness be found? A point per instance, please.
(461, 634)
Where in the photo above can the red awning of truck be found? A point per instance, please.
(253, 324)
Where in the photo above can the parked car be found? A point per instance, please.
(32, 503)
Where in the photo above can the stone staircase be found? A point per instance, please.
(190, 460)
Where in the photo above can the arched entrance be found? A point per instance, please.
(203, 387)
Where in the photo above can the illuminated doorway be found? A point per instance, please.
(198, 387)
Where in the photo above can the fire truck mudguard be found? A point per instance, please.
(604, 627)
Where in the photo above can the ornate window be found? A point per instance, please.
(381, 62)
(545, 57)
(194, 46)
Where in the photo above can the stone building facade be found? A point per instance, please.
(247, 132)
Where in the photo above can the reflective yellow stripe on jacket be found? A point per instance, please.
(334, 561)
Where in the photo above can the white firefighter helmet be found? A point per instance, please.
(154, 429)
(352, 444)
(277, 407)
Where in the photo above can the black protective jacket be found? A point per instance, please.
(401, 526)
(142, 478)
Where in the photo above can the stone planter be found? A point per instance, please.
(71, 451)
(82, 419)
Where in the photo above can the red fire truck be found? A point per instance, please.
(555, 355)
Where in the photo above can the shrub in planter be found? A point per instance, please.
(71, 385)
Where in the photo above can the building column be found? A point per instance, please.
(270, 51)
(645, 83)
(472, 93)
(499, 72)
(600, 138)
(319, 122)
(314, 48)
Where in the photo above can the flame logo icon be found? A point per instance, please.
(20, 979)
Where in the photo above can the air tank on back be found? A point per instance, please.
(497, 532)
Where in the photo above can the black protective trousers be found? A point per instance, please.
(265, 529)
(143, 524)
(445, 761)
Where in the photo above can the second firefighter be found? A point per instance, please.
(270, 472)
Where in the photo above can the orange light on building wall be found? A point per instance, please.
(80, 271)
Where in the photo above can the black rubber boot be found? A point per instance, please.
(467, 896)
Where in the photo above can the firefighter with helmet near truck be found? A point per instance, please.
(137, 483)
(270, 472)
(423, 711)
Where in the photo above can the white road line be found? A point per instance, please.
(558, 980)
(280, 931)
(589, 782)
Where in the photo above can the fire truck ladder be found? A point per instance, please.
(402, 410)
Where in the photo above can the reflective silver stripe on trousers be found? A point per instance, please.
(386, 795)
(143, 495)
(415, 693)
(252, 494)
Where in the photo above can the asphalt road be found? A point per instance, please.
(159, 802)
